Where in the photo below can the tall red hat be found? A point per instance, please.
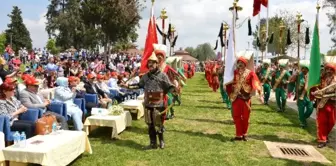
(242, 59)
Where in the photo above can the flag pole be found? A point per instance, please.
(299, 20)
(267, 26)
(258, 50)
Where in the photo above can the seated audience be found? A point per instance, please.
(30, 99)
(66, 95)
(92, 88)
(12, 108)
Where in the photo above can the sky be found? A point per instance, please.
(196, 21)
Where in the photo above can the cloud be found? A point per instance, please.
(198, 21)
(37, 30)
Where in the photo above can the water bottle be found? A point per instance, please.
(16, 138)
(23, 140)
(54, 127)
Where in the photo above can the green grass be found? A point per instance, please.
(200, 135)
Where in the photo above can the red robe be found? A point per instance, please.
(215, 80)
(241, 108)
(326, 114)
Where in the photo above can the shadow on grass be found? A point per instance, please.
(211, 107)
(218, 137)
(227, 122)
(275, 138)
(210, 101)
(276, 124)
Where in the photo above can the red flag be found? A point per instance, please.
(264, 3)
(150, 40)
(256, 7)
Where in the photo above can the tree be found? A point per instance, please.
(331, 52)
(332, 18)
(17, 33)
(204, 52)
(191, 51)
(2, 42)
(289, 20)
(51, 46)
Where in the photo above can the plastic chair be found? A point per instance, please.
(80, 102)
(59, 108)
(31, 115)
(91, 98)
(114, 92)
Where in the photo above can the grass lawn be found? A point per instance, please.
(200, 135)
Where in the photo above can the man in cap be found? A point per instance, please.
(29, 98)
(281, 80)
(240, 91)
(325, 97)
(265, 75)
(305, 106)
(156, 85)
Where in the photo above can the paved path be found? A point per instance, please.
(292, 105)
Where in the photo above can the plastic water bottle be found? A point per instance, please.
(23, 139)
(16, 138)
(54, 127)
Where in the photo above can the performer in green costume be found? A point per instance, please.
(223, 93)
(281, 77)
(265, 76)
(305, 106)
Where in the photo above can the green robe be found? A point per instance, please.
(305, 106)
(267, 83)
(281, 89)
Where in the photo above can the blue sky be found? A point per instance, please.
(196, 23)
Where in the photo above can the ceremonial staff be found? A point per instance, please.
(225, 28)
(172, 38)
(299, 20)
(281, 27)
(263, 43)
(235, 8)
(163, 17)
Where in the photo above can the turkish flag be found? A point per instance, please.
(264, 3)
(150, 40)
(257, 6)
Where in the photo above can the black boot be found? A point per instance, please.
(161, 141)
(322, 145)
(152, 138)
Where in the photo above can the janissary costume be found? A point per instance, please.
(223, 93)
(214, 75)
(156, 85)
(265, 76)
(325, 97)
(281, 77)
(160, 51)
(305, 106)
(240, 91)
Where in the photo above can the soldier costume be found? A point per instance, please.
(265, 76)
(240, 92)
(325, 97)
(281, 79)
(156, 86)
(223, 93)
(305, 106)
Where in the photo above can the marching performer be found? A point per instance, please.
(223, 93)
(265, 76)
(305, 106)
(156, 86)
(281, 77)
(214, 75)
(325, 97)
(240, 91)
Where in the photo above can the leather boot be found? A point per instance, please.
(161, 141)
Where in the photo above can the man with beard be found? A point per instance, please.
(240, 91)
(305, 106)
(325, 96)
(156, 86)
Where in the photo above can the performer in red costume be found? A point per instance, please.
(215, 80)
(240, 92)
(325, 99)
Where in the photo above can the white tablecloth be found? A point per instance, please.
(141, 97)
(134, 106)
(57, 149)
(118, 123)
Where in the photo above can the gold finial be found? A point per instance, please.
(225, 26)
(235, 6)
(299, 19)
(172, 28)
(163, 15)
(282, 26)
(318, 7)
(153, 1)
